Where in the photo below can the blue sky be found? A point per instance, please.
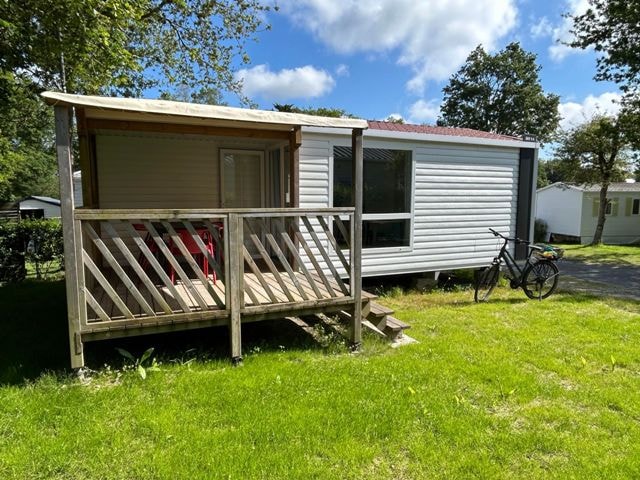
(392, 57)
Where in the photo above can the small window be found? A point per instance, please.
(32, 213)
(635, 210)
(607, 210)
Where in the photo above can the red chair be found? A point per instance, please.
(193, 248)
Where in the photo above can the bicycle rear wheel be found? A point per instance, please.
(486, 282)
(540, 280)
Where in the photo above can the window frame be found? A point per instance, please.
(410, 215)
(635, 202)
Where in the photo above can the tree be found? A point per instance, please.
(126, 46)
(596, 152)
(119, 47)
(550, 171)
(319, 111)
(500, 93)
(612, 27)
(27, 163)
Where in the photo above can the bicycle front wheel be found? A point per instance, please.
(540, 280)
(486, 282)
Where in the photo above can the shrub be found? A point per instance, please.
(38, 242)
(44, 245)
(540, 229)
(12, 266)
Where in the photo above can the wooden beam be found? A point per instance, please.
(199, 214)
(355, 330)
(295, 140)
(71, 262)
(100, 124)
(236, 271)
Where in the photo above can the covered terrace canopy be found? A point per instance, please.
(95, 113)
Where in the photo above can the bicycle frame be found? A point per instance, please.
(515, 271)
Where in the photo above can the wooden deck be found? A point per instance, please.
(145, 269)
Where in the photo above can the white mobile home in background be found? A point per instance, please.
(40, 207)
(572, 211)
(430, 193)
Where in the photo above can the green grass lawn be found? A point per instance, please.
(508, 389)
(629, 254)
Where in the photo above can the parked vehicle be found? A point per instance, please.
(538, 278)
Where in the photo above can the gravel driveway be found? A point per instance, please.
(615, 279)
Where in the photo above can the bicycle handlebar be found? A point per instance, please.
(517, 240)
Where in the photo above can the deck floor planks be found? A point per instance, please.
(250, 278)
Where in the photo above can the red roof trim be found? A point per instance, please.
(431, 130)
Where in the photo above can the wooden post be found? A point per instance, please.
(295, 140)
(71, 261)
(355, 333)
(234, 254)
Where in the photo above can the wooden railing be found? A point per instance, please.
(139, 268)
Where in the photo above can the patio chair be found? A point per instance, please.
(193, 248)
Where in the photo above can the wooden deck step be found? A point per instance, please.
(394, 328)
(368, 295)
(378, 311)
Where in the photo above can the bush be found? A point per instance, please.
(12, 266)
(540, 229)
(38, 242)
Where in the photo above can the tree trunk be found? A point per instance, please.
(597, 236)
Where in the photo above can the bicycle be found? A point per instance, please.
(538, 278)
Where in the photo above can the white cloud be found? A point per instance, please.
(424, 111)
(301, 82)
(342, 70)
(574, 113)
(542, 29)
(393, 117)
(560, 33)
(432, 38)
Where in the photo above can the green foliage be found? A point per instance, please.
(319, 111)
(27, 161)
(38, 242)
(500, 93)
(146, 363)
(550, 171)
(596, 151)
(44, 244)
(12, 266)
(612, 28)
(126, 46)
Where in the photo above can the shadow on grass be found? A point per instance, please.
(34, 336)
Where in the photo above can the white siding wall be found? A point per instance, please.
(50, 211)
(561, 208)
(619, 228)
(77, 189)
(459, 192)
(314, 172)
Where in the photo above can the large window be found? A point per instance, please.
(386, 194)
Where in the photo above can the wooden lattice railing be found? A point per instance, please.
(151, 267)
